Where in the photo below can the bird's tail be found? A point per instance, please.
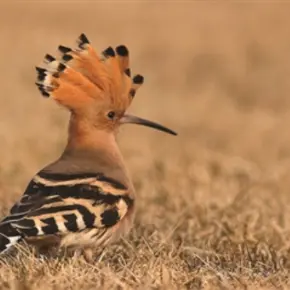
(9, 236)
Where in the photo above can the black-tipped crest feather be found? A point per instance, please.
(49, 58)
(67, 57)
(41, 77)
(84, 38)
(138, 80)
(61, 67)
(82, 41)
(128, 72)
(109, 52)
(42, 90)
(132, 93)
(40, 69)
(64, 49)
(122, 50)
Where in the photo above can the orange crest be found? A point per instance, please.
(81, 77)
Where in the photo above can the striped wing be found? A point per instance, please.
(59, 203)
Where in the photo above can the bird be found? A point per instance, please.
(84, 200)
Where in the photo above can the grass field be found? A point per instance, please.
(214, 202)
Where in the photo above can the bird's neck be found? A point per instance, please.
(83, 135)
(98, 147)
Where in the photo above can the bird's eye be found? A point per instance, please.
(111, 115)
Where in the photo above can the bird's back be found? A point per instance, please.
(74, 202)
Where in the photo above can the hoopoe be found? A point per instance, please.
(85, 199)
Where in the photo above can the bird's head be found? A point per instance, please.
(96, 89)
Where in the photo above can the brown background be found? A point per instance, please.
(218, 74)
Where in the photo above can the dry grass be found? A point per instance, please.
(214, 203)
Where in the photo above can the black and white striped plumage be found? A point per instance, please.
(62, 204)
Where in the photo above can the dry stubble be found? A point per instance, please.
(213, 209)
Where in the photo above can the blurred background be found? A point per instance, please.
(218, 74)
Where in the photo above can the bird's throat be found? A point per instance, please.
(85, 137)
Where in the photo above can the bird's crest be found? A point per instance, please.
(81, 77)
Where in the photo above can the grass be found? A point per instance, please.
(213, 206)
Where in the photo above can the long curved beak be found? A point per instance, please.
(139, 121)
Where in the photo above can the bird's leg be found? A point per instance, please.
(76, 253)
(88, 255)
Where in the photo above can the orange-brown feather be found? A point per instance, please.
(79, 80)
(116, 88)
(88, 63)
(70, 96)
